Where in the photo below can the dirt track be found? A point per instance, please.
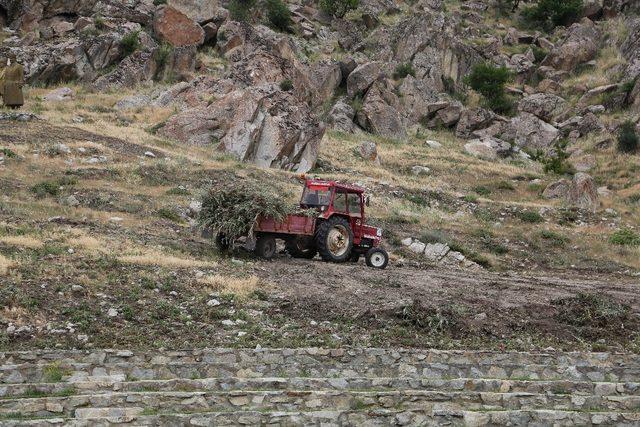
(512, 302)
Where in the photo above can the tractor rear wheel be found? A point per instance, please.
(377, 258)
(222, 243)
(334, 239)
(301, 247)
(266, 246)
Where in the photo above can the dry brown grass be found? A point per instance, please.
(22, 241)
(161, 259)
(238, 286)
(5, 265)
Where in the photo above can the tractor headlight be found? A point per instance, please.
(379, 232)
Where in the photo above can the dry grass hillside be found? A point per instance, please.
(120, 263)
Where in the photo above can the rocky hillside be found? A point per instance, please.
(493, 148)
(385, 67)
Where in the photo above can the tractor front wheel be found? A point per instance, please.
(301, 247)
(334, 239)
(377, 258)
(266, 246)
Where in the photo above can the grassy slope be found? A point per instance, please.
(155, 270)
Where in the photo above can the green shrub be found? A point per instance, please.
(130, 43)
(482, 190)
(8, 153)
(539, 53)
(338, 8)
(625, 237)
(554, 238)
(628, 138)
(240, 10)
(558, 162)
(279, 15)
(169, 214)
(286, 85)
(530, 216)
(548, 14)
(99, 23)
(404, 70)
(489, 81)
(52, 188)
(162, 55)
(159, 2)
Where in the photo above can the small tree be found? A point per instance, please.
(338, 8)
(489, 81)
(628, 138)
(548, 14)
(279, 15)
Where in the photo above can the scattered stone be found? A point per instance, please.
(149, 154)
(60, 94)
(487, 148)
(557, 190)
(433, 144)
(70, 201)
(133, 102)
(420, 170)
(112, 312)
(368, 150)
(213, 303)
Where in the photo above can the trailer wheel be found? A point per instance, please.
(266, 246)
(334, 239)
(301, 247)
(377, 258)
(222, 243)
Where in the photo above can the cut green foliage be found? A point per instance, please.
(130, 43)
(338, 8)
(279, 15)
(489, 81)
(548, 14)
(404, 70)
(628, 139)
(625, 237)
(232, 210)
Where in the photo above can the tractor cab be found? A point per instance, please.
(330, 197)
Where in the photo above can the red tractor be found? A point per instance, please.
(338, 232)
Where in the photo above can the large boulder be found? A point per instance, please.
(262, 125)
(583, 192)
(545, 106)
(473, 119)
(531, 133)
(634, 97)
(137, 68)
(557, 189)
(200, 11)
(362, 78)
(380, 112)
(341, 117)
(487, 148)
(176, 28)
(579, 45)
